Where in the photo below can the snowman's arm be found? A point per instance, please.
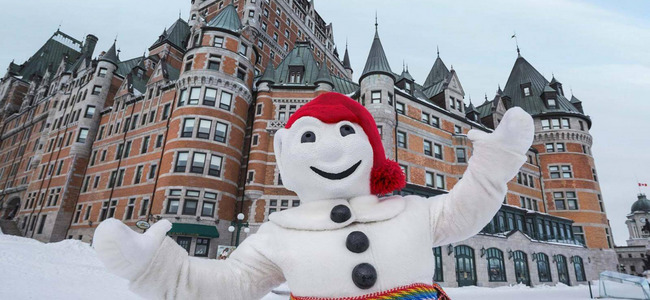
(246, 274)
(477, 197)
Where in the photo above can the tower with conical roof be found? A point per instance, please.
(563, 142)
(376, 92)
(346, 62)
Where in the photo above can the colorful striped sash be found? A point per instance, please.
(417, 291)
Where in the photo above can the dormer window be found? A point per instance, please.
(407, 86)
(525, 89)
(295, 74)
(551, 103)
(452, 102)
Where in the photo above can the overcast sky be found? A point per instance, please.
(599, 49)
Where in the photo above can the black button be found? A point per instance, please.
(340, 213)
(357, 242)
(364, 276)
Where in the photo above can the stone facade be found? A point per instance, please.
(185, 133)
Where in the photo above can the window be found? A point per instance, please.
(425, 117)
(159, 140)
(438, 274)
(375, 97)
(429, 179)
(97, 90)
(181, 162)
(550, 147)
(243, 49)
(565, 123)
(208, 209)
(579, 234)
(458, 129)
(145, 144)
(185, 242)
(440, 181)
(405, 170)
(593, 173)
(144, 207)
(83, 135)
(198, 163)
(102, 72)
(461, 155)
(172, 206)
(560, 171)
(189, 207)
(188, 128)
(202, 247)
(220, 132)
(551, 103)
(435, 121)
(41, 225)
(210, 97)
(427, 148)
(138, 174)
(543, 268)
(165, 113)
(215, 166)
(496, 269)
(400, 107)
(218, 42)
(225, 101)
(90, 112)
(258, 109)
(582, 125)
(525, 89)
(560, 147)
(129, 209)
(401, 139)
(546, 124)
(437, 150)
(152, 171)
(580, 269)
(195, 93)
(204, 129)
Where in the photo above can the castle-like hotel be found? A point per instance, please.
(185, 133)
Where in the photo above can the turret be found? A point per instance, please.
(346, 63)
(324, 80)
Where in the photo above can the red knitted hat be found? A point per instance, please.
(386, 175)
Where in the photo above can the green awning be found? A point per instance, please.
(194, 230)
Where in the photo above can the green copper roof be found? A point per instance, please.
(524, 73)
(303, 56)
(57, 48)
(194, 230)
(346, 59)
(642, 204)
(269, 73)
(438, 73)
(324, 75)
(405, 75)
(111, 55)
(177, 35)
(124, 67)
(575, 100)
(377, 61)
(227, 19)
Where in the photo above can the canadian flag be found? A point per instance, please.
(643, 184)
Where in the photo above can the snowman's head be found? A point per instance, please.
(331, 149)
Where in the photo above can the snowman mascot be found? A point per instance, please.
(343, 241)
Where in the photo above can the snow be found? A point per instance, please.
(71, 270)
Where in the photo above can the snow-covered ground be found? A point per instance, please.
(70, 270)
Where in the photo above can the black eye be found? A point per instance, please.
(308, 137)
(346, 130)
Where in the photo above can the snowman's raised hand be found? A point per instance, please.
(514, 133)
(125, 252)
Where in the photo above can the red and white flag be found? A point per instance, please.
(643, 184)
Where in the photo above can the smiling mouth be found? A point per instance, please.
(337, 176)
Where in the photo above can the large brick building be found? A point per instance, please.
(185, 133)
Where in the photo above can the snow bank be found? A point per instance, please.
(71, 270)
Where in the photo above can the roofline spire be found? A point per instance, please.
(438, 50)
(376, 23)
(514, 36)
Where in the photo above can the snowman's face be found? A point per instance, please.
(324, 161)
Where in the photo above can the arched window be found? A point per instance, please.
(579, 268)
(496, 269)
(522, 274)
(543, 268)
(465, 266)
(562, 269)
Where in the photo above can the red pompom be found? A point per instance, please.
(386, 177)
